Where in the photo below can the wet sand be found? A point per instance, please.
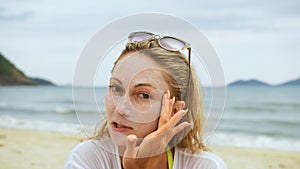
(40, 149)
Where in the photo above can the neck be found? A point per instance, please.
(150, 162)
(121, 150)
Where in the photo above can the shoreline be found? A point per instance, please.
(42, 149)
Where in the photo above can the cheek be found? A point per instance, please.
(109, 105)
(147, 129)
(145, 114)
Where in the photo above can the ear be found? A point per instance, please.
(178, 105)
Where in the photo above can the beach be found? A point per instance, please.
(259, 128)
(253, 158)
(34, 149)
(41, 149)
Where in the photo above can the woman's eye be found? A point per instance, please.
(115, 89)
(144, 96)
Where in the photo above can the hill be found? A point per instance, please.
(251, 82)
(40, 81)
(295, 82)
(12, 76)
(258, 83)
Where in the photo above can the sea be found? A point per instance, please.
(255, 117)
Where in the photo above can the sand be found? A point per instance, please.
(34, 149)
(251, 158)
(39, 149)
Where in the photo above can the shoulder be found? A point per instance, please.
(199, 160)
(90, 154)
(82, 155)
(84, 147)
(212, 160)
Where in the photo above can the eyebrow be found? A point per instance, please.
(144, 84)
(137, 85)
(113, 78)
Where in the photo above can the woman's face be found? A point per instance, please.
(134, 98)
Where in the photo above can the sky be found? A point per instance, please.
(254, 39)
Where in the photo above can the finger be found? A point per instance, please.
(164, 116)
(180, 127)
(130, 146)
(172, 122)
(171, 106)
(168, 104)
(165, 102)
(177, 117)
(168, 112)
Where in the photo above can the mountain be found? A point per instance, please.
(251, 82)
(40, 81)
(295, 82)
(258, 83)
(12, 76)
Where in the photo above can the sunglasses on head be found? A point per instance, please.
(166, 42)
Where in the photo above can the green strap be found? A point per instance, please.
(170, 159)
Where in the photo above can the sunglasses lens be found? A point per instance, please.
(139, 37)
(171, 43)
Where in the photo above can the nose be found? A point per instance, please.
(122, 106)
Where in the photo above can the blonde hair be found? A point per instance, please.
(185, 86)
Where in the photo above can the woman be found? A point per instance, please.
(154, 112)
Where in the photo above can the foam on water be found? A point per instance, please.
(41, 125)
(64, 110)
(219, 138)
(255, 141)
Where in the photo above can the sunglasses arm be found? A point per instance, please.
(189, 55)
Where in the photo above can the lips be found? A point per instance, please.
(120, 127)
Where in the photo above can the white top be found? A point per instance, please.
(95, 154)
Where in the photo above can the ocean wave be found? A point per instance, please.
(21, 123)
(253, 109)
(267, 107)
(13, 109)
(281, 104)
(255, 141)
(66, 102)
(278, 132)
(293, 122)
(218, 138)
(63, 110)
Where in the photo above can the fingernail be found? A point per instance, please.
(186, 125)
(166, 95)
(172, 101)
(131, 138)
(169, 94)
(184, 112)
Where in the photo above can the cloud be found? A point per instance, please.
(57, 30)
(247, 18)
(16, 16)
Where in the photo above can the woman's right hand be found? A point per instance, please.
(151, 153)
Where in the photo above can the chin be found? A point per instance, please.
(117, 138)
